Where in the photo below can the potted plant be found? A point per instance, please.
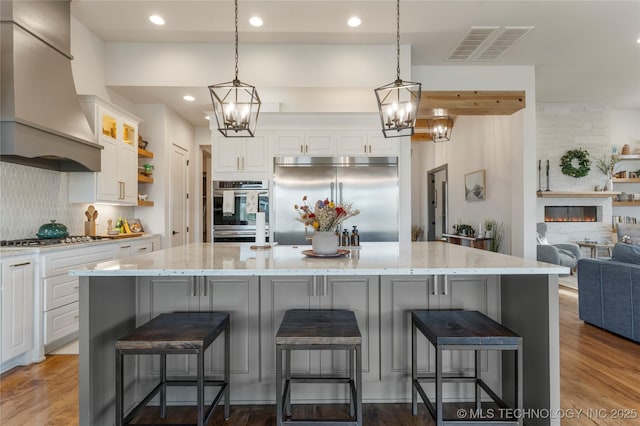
(606, 165)
(495, 231)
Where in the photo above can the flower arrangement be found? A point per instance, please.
(606, 165)
(325, 215)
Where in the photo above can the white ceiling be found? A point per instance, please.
(583, 51)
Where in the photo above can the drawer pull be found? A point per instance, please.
(142, 248)
(76, 287)
(124, 247)
(76, 317)
(20, 264)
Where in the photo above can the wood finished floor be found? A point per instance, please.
(600, 374)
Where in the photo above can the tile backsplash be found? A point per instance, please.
(30, 197)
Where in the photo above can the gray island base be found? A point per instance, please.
(381, 283)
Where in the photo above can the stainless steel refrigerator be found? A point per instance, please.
(370, 183)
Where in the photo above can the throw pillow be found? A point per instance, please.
(542, 240)
(626, 253)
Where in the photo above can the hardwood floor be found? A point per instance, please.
(600, 375)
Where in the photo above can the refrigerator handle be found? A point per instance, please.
(340, 185)
(333, 187)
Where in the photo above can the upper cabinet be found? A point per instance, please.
(352, 143)
(358, 144)
(240, 155)
(117, 131)
(300, 143)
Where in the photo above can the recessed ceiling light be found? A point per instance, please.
(354, 21)
(638, 40)
(206, 117)
(156, 19)
(188, 98)
(256, 21)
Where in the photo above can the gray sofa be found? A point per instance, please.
(609, 291)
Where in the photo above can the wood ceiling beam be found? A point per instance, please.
(473, 102)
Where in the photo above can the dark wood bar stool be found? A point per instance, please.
(464, 330)
(176, 333)
(318, 330)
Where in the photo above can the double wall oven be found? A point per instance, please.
(235, 224)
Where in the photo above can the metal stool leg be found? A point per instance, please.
(119, 389)
(359, 384)
(163, 386)
(278, 385)
(439, 386)
(287, 382)
(519, 367)
(227, 371)
(414, 369)
(478, 389)
(351, 356)
(200, 373)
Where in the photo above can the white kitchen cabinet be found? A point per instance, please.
(300, 143)
(131, 248)
(17, 306)
(368, 144)
(60, 291)
(401, 295)
(117, 131)
(236, 295)
(357, 293)
(240, 155)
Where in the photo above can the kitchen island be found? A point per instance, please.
(381, 282)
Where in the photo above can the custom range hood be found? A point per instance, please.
(41, 121)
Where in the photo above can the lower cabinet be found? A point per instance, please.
(17, 307)
(236, 295)
(401, 295)
(357, 293)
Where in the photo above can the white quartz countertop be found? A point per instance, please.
(420, 258)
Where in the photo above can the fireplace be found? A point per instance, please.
(573, 214)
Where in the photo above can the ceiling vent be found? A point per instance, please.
(507, 38)
(475, 38)
(487, 43)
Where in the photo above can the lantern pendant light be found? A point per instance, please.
(236, 104)
(398, 102)
(440, 127)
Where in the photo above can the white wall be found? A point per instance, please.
(477, 143)
(519, 195)
(625, 128)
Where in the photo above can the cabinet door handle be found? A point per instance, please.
(369, 149)
(301, 149)
(445, 284)
(242, 163)
(19, 264)
(313, 286)
(238, 163)
(324, 285)
(365, 149)
(204, 285)
(307, 149)
(435, 285)
(195, 288)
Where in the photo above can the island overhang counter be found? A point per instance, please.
(381, 282)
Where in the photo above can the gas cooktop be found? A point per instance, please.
(38, 242)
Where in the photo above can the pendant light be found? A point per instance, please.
(440, 127)
(236, 104)
(398, 102)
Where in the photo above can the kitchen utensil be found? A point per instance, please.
(52, 230)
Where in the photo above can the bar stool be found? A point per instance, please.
(463, 330)
(318, 330)
(176, 333)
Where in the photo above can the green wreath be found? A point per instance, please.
(584, 163)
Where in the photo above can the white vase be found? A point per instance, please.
(488, 234)
(324, 242)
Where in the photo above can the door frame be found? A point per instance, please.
(432, 200)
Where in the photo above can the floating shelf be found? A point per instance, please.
(143, 203)
(626, 157)
(626, 180)
(144, 153)
(144, 179)
(577, 194)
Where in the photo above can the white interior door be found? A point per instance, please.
(178, 196)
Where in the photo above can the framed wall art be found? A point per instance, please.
(475, 186)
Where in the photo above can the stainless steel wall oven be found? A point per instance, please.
(231, 220)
